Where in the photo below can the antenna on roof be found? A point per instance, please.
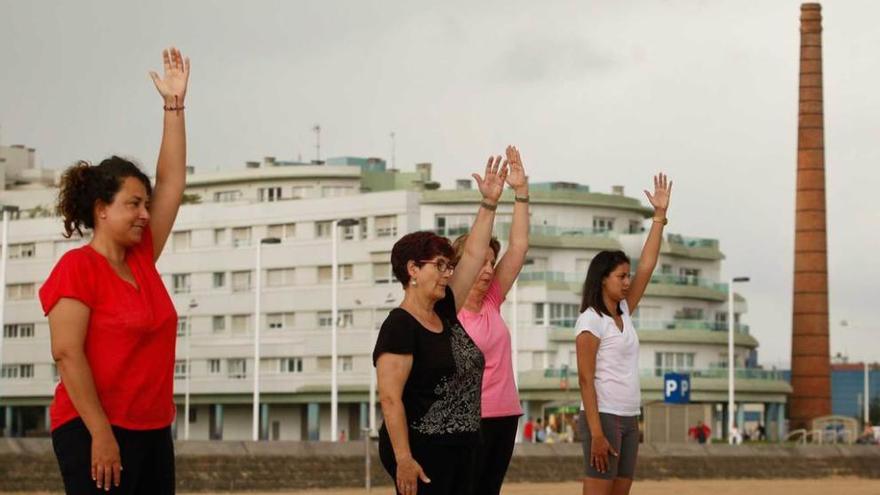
(393, 152)
(317, 131)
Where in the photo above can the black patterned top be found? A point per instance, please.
(441, 396)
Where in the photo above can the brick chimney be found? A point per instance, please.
(810, 360)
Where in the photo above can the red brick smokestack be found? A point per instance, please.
(810, 361)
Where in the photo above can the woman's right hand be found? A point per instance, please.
(106, 463)
(599, 451)
(408, 475)
(492, 184)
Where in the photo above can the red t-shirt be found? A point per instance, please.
(130, 340)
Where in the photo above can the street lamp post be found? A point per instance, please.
(258, 289)
(334, 315)
(866, 395)
(731, 362)
(192, 305)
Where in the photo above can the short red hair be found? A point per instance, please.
(416, 247)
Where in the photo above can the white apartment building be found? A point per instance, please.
(209, 268)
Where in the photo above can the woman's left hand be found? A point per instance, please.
(172, 86)
(662, 189)
(492, 184)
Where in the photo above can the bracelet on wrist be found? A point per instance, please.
(521, 199)
(488, 206)
(663, 220)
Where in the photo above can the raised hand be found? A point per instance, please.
(516, 178)
(492, 184)
(662, 189)
(172, 86)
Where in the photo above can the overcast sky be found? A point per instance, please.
(600, 93)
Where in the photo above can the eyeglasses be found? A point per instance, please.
(442, 265)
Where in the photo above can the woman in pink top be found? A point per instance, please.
(481, 318)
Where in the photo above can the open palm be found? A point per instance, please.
(492, 184)
(172, 85)
(662, 190)
(516, 178)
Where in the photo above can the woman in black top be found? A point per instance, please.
(429, 371)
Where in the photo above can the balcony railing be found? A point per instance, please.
(710, 373)
(714, 326)
(669, 279)
(692, 242)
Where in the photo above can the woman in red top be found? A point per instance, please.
(112, 323)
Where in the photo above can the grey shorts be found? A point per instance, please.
(622, 433)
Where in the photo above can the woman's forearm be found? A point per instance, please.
(651, 249)
(591, 406)
(519, 228)
(171, 165)
(395, 423)
(76, 374)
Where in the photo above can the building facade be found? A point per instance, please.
(209, 268)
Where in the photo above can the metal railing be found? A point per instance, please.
(714, 326)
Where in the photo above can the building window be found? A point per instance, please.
(666, 268)
(386, 226)
(226, 196)
(19, 292)
(325, 273)
(18, 330)
(324, 363)
(689, 275)
(322, 229)
(241, 323)
(673, 361)
(179, 369)
(241, 236)
(346, 318)
(268, 194)
(290, 365)
(236, 368)
(689, 314)
(221, 237)
(282, 230)
(362, 225)
(348, 232)
(344, 363)
(241, 281)
(538, 311)
(213, 366)
(280, 277)
(279, 320)
(453, 225)
(180, 241)
(603, 224)
(333, 191)
(180, 283)
(24, 250)
(218, 323)
(300, 192)
(219, 279)
(17, 371)
(382, 273)
(182, 325)
(563, 315)
(635, 226)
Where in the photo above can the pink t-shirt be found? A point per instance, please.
(488, 330)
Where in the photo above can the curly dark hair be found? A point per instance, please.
(417, 246)
(83, 184)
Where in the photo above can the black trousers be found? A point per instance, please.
(449, 467)
(493, 454)
(147, 460)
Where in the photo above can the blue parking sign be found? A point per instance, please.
(677, 388)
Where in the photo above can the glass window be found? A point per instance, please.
(236, 368)
(219, 279)
(180, 283)
(386, 226)
(218, 323)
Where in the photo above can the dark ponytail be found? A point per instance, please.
(82, 185)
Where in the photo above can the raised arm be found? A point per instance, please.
(392, 371)
(651, 251)
(518, 244)
(68, 323)
(171, 165)
(475, 247)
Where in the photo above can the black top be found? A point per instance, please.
(441, 396)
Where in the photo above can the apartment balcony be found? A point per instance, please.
(661, 285)
(692, 247)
